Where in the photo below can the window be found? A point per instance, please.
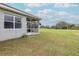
(17, 22)
(8, 21)
(12, 21)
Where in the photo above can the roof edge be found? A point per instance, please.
(5, 6)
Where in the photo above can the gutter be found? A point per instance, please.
(7, 7)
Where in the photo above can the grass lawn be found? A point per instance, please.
(49, 42)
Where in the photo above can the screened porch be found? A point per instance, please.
(32, 26)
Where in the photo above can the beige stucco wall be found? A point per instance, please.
(6, 34)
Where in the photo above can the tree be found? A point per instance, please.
(62, 25)
(53, 27)
(42, 26)
(45, 26)
(72, 26)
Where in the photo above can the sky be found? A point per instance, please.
(51, 13)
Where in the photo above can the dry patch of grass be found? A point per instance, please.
(49, 42)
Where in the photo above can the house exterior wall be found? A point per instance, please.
(11, 33)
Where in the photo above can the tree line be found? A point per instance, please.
(62, 25)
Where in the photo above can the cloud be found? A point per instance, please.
(53, 16)
(62, 13)
(65, 5)
(32, 5)
(45, 11)
(74, 17)
(52, 13)
(50, 16)
(28, 10)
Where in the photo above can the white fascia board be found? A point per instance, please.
(4, 6)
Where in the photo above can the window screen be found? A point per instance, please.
(8, 21)
(17, 22)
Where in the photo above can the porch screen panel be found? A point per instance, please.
(32, 26)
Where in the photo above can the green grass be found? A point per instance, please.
(48, 42)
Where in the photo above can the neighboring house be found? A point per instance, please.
(15, 23)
